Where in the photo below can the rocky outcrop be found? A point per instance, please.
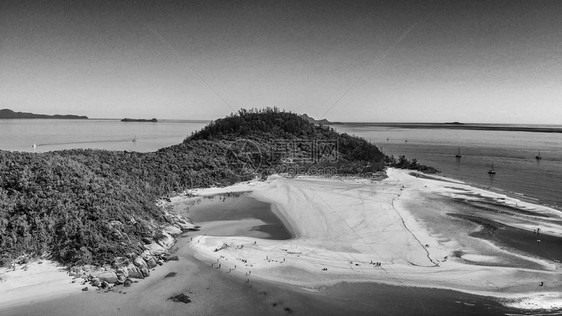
(172, 230)
(149, 259)
(165, 240)
(133, 266)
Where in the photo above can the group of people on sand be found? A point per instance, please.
(376, 264)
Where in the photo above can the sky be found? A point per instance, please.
(377, 61)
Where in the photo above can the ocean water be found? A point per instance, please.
(512, 154)
(50, 135)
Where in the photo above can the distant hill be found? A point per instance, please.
(153, 120)
(312, 120)
(9, 114)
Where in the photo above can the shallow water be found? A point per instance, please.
(233, 215)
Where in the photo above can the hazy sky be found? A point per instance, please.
(424, 61)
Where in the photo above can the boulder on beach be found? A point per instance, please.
(139, 262)
(155, 249)
(121, 277)
(134, 272)
(172, 230)
(171, 258)
(95, 281)
(180, 298)
(149, 259)
(165, 240)
(145, 272)
(106, 276)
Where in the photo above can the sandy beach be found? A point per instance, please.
(397, 232)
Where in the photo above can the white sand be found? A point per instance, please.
(342, 225)
(35, 282)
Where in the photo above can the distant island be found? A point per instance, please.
(314, 121)
(9, 114)
(153, 120)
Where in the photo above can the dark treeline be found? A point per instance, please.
(404, 163)
(89, 206)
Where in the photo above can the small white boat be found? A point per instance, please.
(538, 157)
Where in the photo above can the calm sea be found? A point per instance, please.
(49, 135)
(512, 153)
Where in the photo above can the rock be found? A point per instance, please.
(149, 259)
(145, 272)
(120, 262)
(134, 272)
(106, 276)
(165, 240)
(172, 258)
(155, 249)
(186, 226)
(146, 240)
(127, 283)
(120, 279)
(104, 285)
(180, 298)
(169, 218)
(85, 289)
(95, 281)
(139, 262)
(172, 230)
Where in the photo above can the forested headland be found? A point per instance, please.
(9, 114)
(90, 206)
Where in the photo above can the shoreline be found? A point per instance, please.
(338, 237)
(421, 253)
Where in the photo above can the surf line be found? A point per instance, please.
(435, 264)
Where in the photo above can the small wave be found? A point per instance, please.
(545, 303)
